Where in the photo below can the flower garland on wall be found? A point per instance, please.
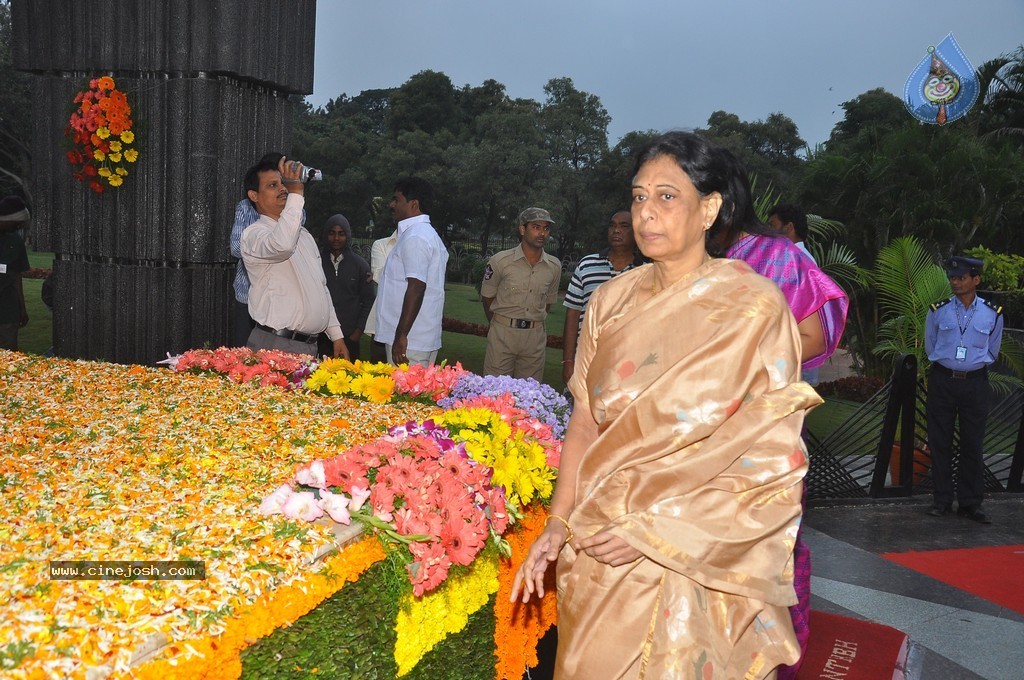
(103, 142)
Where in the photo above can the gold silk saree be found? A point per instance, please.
(699, 465)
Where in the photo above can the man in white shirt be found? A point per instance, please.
(379, 252)
(288, 296)
(410, 301)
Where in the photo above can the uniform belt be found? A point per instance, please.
(289, 334)
(514, 323)
(960, 375)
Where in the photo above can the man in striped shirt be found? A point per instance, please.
(593, 270)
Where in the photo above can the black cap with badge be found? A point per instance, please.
(961, 266)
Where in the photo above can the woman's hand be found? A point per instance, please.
(608, 548)
(544, 551)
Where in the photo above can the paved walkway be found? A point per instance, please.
(954, 635)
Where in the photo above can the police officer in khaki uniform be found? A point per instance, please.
(519, 287)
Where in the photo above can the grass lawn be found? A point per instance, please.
(830, 415)
(462, 302)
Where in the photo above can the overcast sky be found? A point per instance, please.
(659, 64)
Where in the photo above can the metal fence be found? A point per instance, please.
(880, 452)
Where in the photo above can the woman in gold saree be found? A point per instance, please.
(678, 498)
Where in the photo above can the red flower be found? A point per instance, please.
(461, 541)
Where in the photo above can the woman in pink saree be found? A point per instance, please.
(819, 306)
(678, 499)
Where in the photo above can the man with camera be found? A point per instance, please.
(288, 296)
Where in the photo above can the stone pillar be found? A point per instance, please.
(145, 268)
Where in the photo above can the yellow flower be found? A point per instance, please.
(115, 146)
(121, 171)
(131, 155)
(115, 158)
(115, 180)
(99, 155)
(103, 132)
(375, 388)
(339, 383)
(127, 136)
(318, 379)
(104, 172)
(332, 365)
(379, 389)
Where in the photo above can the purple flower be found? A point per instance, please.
(539, 400)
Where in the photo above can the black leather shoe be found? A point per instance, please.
(936, 511)
(974, 514)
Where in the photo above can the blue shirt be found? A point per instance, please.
(978, 328)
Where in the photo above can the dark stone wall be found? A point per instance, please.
(145, 268)
(268, 41)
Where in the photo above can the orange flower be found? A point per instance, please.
(518, 627)
(105, 83)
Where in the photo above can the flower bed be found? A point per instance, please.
(107, 462)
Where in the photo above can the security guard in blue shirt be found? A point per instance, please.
(962, 337)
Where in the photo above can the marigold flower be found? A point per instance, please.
(114, 157)
(115, 180)
(104, 172)
(115, 145)
(102, 133)
(127, 136)
(121, 171)
(131, 155)
(99, 155)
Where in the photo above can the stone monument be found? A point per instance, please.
(145, 268)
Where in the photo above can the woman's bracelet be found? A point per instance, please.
(568, 361)
(563, 521)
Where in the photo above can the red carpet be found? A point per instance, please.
(992, 573)
(842, 648)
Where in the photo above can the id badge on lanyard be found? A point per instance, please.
(961, 353)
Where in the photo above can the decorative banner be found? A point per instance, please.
(943, 87)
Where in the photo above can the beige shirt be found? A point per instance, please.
(521, 290)
(288, 289)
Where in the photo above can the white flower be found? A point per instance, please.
(336, 505)
(314, 475)
(302, 505)
(273, 503)
(359, 496)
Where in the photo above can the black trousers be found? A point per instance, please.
(967, 400)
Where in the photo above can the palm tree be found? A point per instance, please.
(1001, 113)
(907, 281)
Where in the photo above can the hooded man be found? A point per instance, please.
(349, 281)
